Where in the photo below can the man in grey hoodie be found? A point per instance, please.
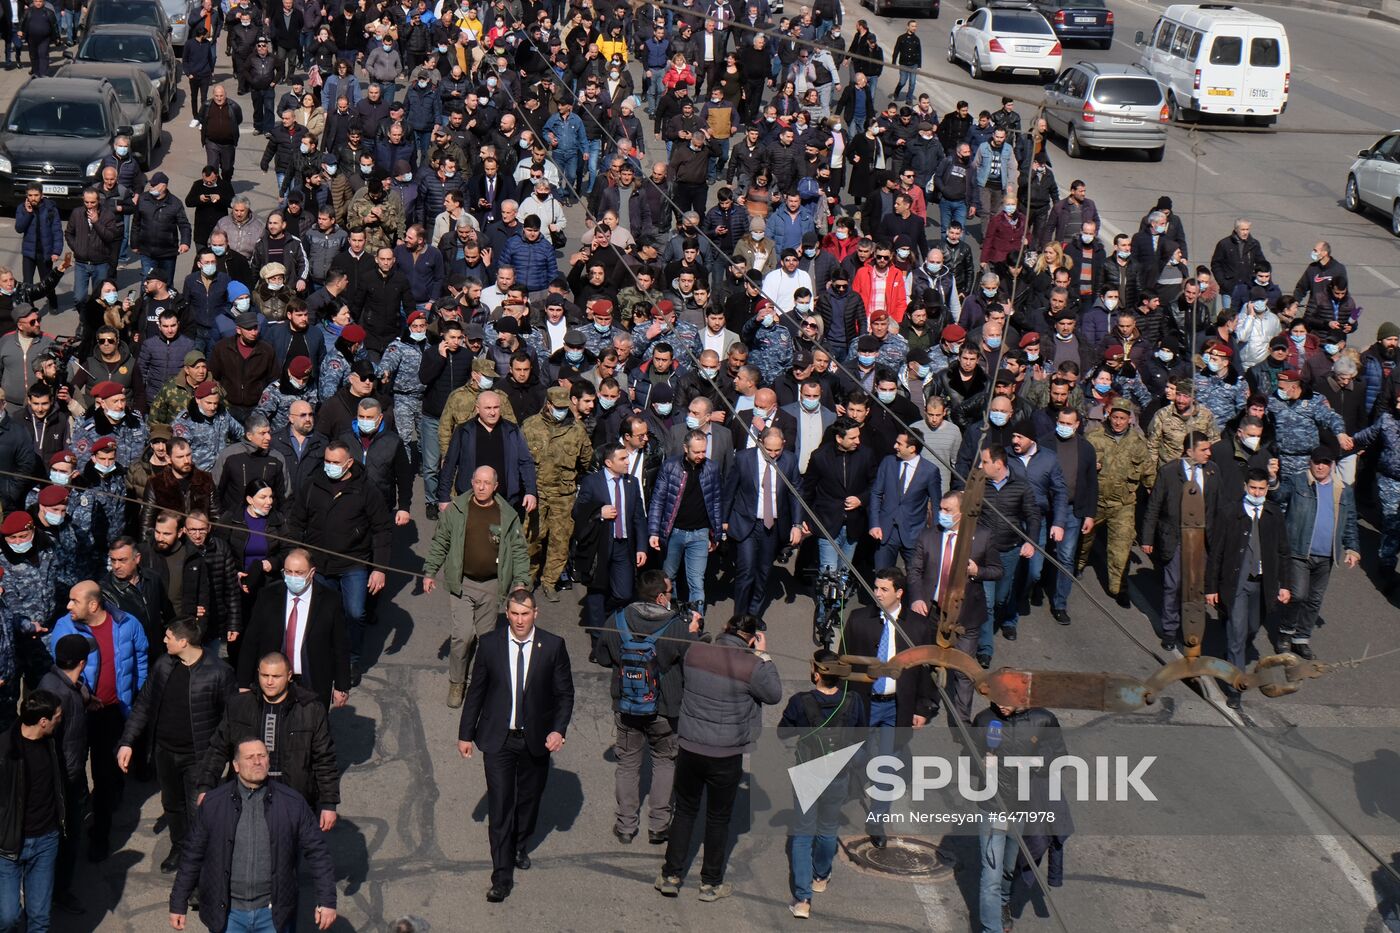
(726, 684)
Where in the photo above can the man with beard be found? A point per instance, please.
(180, 568)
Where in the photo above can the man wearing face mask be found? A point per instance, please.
(110, 418)
(1236, 455)
(1247, 568)
(1255, 326)
(769, 340)
(1124, 466)
(1297, 421)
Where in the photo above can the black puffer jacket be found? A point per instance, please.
(212, 684)
(12, 796)
(17, 460)
(160, 226)
(227, 610)
(307, 753)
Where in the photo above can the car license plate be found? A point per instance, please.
(1222, 92)
(1259, 92)
(1028, 48)
(55, 189)
(1126, 120)
(1084, 20)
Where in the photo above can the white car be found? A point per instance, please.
(1374, 180)
(1006, 40)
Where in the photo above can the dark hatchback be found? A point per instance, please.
(147, 48)
(55, 135)
(1079, 20)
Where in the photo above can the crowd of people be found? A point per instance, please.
(670, 399)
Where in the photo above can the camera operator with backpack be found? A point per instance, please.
(644, 646)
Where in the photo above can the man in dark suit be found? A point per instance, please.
(1080, 467)
(719, 442)
(610, 535)
(930, 576)
(759, 509)
(303, 619)
(487, 439)
(487, 191)
(1151, 249)
(1161, 525)
(812, 417)
(518, 708)
(899, 501)
(1039, 469)
(882, 631)
(1246, 568)
(748, 426)
(1012, 515)
(837, 488)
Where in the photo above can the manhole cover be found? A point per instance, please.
(907, 857)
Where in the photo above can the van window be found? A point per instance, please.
(1182, 42)
(1164, 36)
(1195, 52)
(1264, 53)
(1127, 92)
(1226, 50)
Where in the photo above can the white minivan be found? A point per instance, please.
(1214, 58)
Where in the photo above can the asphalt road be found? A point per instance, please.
(412, 837)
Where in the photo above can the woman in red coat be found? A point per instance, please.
(1006, 236)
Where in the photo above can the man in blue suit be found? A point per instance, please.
(486, 439)
(905, 484)
(610, 535)
(1079, 464)
(1038, 468)
(759, 509)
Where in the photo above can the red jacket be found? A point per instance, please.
(896, 300)
(1005, 236)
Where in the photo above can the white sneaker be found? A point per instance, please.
(800, 909)
(194, 124)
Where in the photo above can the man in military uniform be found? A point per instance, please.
(1172, 423)
(562, 451)
(30, 572)
(110, 418)
(175, 396)
(1296, 423)
(1125, 466)
(1217, 386)
(461, 404)
(378, 212)
(103, 481)
(73, 549)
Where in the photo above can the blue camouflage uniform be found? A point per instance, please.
(400, 363)
(684, 338)
(31, 583)
(277, 399)
(130, 433)
(893, 354)
(770, 349)
(1224, 399)
(595, 341)
(207, 436)
(335, 372)
(939, 360)
(1296, 426)
(104, 498)
(73, 548)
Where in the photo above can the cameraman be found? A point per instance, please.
(651, 615)
(726, 684)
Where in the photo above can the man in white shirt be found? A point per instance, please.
(493, 296)
(781, 285)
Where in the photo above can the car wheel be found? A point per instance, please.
(1178, 113)
(1072, 147)
(975, 69)
(1352, 198)
(1156, 155)
(1395, 219)
(952, 53)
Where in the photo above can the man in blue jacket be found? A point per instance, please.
(1040, 470)
(568, 135)
(37, 221)
(115, 673)
(486, 439)
(684, 517)
(532, 256)
(1079, 466)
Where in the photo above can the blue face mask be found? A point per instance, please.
(923, 372)
(708, 372)
(418, 335)
(993, 342)
(23, 547)
(1064, 431)
(110, 297)
(885, 395)
(1213, 364)
(104, 468)
(59, 478)
(367, 425)
(811, 404)
(606, 403)
(663, 408)
(945, 521)
(295, 585)
(486, 382)
(1298, 338)
(1332, 349)
(1255, 501)
(334, 470)
(558, 413)
(1166, 356)
(867, 359)
(989, 292)
(574, 356)
(998, 418)
(601, 328)
(1282, 393)
(692, 422)
(218, 250)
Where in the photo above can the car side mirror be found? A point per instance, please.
(1363, 153)
(1138, 39)
(959, 22)
(125, 130)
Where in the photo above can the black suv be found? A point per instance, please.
(55, 135)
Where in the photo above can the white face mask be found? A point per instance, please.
(1250, 443)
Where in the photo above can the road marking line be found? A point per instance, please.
(1383, 278)
(1192, 159)
(940, 920)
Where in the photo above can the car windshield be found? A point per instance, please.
(119, 48)
(1025, 24)
(1127, 92)
(139, 14)
(43, 116)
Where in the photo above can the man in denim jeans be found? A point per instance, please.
(33, 775)
(685, 514)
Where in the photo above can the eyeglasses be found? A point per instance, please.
(884, 257)
(106, 340)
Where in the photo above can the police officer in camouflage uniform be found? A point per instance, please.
(562, 451)
(109, 418)
(378, 211)
(769, 341)
(1296, 423)
(599, 335)
(296, 385)
(398, 368)
(207, 425)
(103, 482)
(1217, 386)
(1173, 422)
(1125, 465)
(73, 547)
(30, 573)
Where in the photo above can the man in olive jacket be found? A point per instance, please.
(480, 545)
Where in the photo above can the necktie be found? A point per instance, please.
(950, 544)
(885, 685)
(619, 529)
(903, 477)
(491, 190)
(289, 645)
(519, 683)
(1259, 545)
(767, 495)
